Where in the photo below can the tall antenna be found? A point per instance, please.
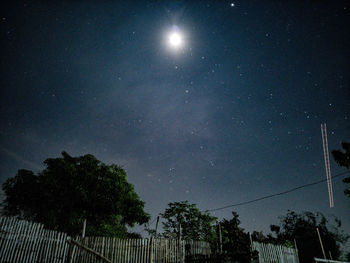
(327, 165)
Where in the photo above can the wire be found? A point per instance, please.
(267, 196)
(277, 194)
(264, 197)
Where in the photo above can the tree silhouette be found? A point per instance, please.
(302, 228)
(195, 225)
(236, 242)
(72, 189)
(343, 159)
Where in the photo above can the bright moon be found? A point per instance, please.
(175, 40)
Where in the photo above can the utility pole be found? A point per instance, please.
(157, 226)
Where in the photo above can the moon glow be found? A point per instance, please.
(175, 40)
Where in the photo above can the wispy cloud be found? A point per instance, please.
(19, 158)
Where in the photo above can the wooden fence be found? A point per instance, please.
(328, 261)
(22, 241)
(130, 250)
(138, 250)
(269, 253)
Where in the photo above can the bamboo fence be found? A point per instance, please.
(328, 261)
(269, 253)
(22, 241)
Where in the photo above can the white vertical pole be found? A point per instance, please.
(84, 228)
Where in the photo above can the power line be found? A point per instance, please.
(266, 197)
(277, 194)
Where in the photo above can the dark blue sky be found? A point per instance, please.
(234, 116)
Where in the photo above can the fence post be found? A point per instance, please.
(251, 247)
(281, 254)
(220, 237)
(296, 250)
(330, 255)
(70, 251)
(181, 246)
(84, 228)
(151, 250)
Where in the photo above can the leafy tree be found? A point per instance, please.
(235, 242)
(153, 233)
(195, 225)
(343, 159)
(347, 256)
(71, 189)
(259, 236)
(270, 238)
(302, 228)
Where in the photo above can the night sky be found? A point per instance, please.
(232, 115)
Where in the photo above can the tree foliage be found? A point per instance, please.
(195, 225)
(71, 189)
(302, 228)
(343, 159)
(260, 237)
(235, 242)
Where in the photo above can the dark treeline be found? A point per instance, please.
(71, 190)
